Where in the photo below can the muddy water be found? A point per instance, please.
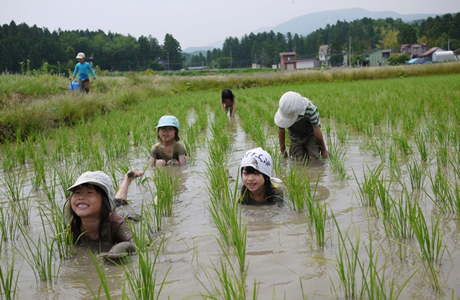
(281, 250)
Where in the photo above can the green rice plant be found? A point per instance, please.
(421, 140)
(142, 231)
(39, 171)
(402, 143)
(367, 190)
(337, 160)
(319, 217)
(442, 153)
(191, 141)
(396, 221)
(21, 211)
(8, 224)
(40, 257)
(167, 185)
(142, 277)
(102, 277)
(66, 176)
(374, 285)
(346, 263)
(298, 190)
(227, 282)
(52, 213)
(8, 281)
(416, 174)
(383, 193)
(439, 185)
(431, 243)
(8, 159)
(13, 182)
(394, 164)
(377, 147)
(342, 133)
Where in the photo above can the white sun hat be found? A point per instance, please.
(260, 160)
(81, 55)
(100, 179)
(291, 105)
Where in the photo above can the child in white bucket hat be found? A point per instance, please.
(90, 212)
(301, 117)
(259, 187)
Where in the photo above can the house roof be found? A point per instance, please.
(323, 48)
(287, 53)
(408, 45)
(371, 51)
(431, 50)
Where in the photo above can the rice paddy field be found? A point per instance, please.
(379, 219)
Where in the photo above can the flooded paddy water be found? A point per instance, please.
(283, 258)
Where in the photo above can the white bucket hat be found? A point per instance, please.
(291, 105)
(100, 179)
(81, 55)
(260, 160)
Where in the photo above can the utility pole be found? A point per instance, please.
(349, 51)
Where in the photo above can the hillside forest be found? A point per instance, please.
(24, 48)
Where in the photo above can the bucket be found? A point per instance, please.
(73, 85)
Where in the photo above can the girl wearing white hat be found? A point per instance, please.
(90, 212)
(258, 185)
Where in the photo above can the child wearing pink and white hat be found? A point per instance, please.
(301, 117)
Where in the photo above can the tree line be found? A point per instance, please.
(30, 48)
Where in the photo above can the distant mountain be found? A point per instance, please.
(306, 24)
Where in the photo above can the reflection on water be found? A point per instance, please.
(281, 249)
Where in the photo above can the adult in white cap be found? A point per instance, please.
(90, 212)
(259, 187)
(301, 117)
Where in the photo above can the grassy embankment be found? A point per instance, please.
(34, 104)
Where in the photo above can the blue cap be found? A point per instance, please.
(168, 121)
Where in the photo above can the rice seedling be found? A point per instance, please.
(227, 282)
(166, 185)
(103, 278)
(298, 190)
(442, 153)
(402, 143)
(342, 133)
(416, 174)
(40, 257)
(319, 217)
(8, 280)
(8, 159)
(346, 264)
(8, 224)
(337, 160)
(21, 211)
(367, 190)
(39, 171)
(431, 245)
(374, 285)
(142, 277)
(13, 182)
(395, 167)
(142, 231)
(421, 140)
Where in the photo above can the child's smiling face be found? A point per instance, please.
(167, 133)
(86, 201)
(255, 182)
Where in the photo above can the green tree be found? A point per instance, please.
(407, 35)
(398, 59)
(172, 53)
(336, 52)
(223, 62)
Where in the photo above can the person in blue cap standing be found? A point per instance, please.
(168, 151)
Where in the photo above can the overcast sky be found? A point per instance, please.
(192, 23)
